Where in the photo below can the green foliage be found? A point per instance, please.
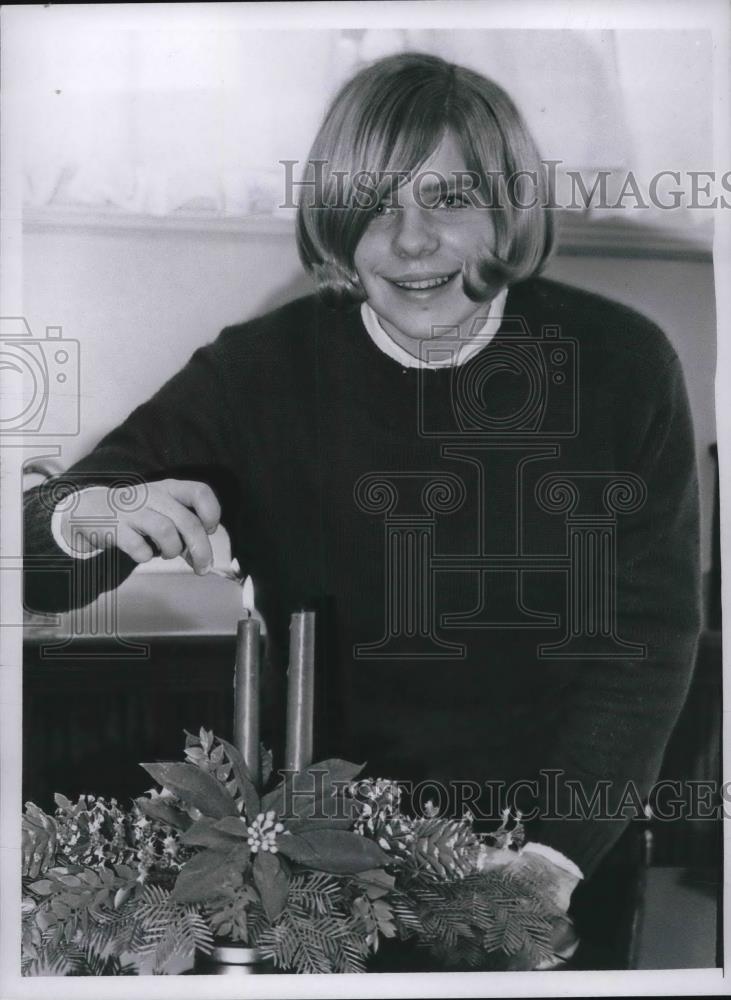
(316, 932)
(208, 872)
(337, 851)
(313, 873)
(194, 787)
(39, 837)
(66, 935)
(233, 915)
(271, 878)
(315, 795)
(476, 920)
(221, 835)
(375, 910)
(171, 930)
(224, 761)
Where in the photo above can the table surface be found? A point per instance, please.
(153, 605)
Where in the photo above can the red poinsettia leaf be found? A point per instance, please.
(163, 812)
(234, 826)
(195, 787)
(335, 851)
(321, 823)
(245, 782)
(205, 875)
(207, 833)
(337, 769)
(272, 880)
(334, 811)
(303, 793)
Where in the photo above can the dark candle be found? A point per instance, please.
(246, 692)
(300, 691)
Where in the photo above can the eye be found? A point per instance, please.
(454, 201)
(384, 208)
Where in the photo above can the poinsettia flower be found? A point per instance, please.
(302, 823)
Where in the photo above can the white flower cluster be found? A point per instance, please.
(379, 801)
(263, 833)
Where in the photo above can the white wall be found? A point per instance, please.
(140, 302)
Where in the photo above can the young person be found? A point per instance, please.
(484, 481)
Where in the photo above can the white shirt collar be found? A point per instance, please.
(446, 354)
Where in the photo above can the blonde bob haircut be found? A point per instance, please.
(389, 118)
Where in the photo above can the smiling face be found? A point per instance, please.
(410, 258)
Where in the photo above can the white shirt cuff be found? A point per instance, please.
(56, 520)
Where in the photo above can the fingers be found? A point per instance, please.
(160, 529)
(168, 534)
(176, 519)
(200, 498)
(134, 544)
(191, 531)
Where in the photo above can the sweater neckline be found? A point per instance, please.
(458, 357)
(389, 367)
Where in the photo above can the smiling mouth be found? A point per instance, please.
(424, 284)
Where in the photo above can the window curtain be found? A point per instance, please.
(167, 119)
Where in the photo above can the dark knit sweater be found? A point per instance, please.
(371, 492)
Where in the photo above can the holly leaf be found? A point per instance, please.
(194, 786)
(243, 778)
(163, 812)
(43, 888)
(205, 876)
(335, 851)
(272, 880)
(207, 833)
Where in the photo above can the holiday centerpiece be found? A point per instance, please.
(305, 870)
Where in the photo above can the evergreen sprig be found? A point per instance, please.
(313, 873)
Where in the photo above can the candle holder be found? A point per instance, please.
(231, 958)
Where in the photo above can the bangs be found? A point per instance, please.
(368, 146)
(379, 131)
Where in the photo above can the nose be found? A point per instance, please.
(416, 234)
